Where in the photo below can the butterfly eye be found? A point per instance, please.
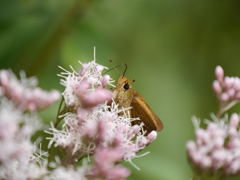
(126, 86)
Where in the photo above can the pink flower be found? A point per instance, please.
(16, 128)
(24, 92)
(105, 167)
(96, 97)
(216, 148)
(91, 127)
(227, 90)
(80, 88)
(219, 73)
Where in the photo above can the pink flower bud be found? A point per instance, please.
(233, 133)
(211, 128)
(219, 133)
(191, 147)
(234, 143)
(224, 97)
(233, 167)
(228, 82)
(85, 68)
(81, 115)
(97, 97)
(4, 78)
(218, 143)
(219, 73)
(142, 141)
(104, 164)
(218, 157)
(217, 87)
(234, 120)
(236, 84)
(99, 70)
(205, 162)
(102, 127)
(237, 95)
(105, 80)
(31, 106)
(79, 88)
(135, 129)
(231, 93)
(201, 137)
(119, 172)
(151, 136)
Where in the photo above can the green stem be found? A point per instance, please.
(83, 156)
(224, 107)
(55, 125)
(58, 120)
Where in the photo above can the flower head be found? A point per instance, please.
(16, 128)
(104, 165)
(24, 92)
(226, 89)
(86, 88)
(92, 127)
(216, 148)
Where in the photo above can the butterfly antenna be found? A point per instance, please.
(110, 60)
(125, 69)
(116, 67)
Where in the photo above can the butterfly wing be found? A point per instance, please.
(141, 109)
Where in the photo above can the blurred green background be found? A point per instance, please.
(171, 48)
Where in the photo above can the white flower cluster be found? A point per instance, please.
(16, 147)
(216, 148)
(92, 127)
(215, 153)
(19, 102)
(24, 92)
